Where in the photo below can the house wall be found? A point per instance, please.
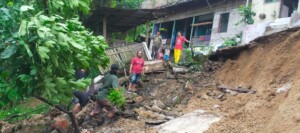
(217, 39)
(271, 10)
(150, 4)
(231, 7)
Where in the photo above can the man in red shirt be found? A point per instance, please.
(178, 46)
(136, 69)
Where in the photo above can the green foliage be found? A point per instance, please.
(247, 14)
(129, 4)
(116, 97)
(40, 48)
(196, 62)
(22, 112)
(67, 8)
(132, 35)
(230, 42)
(234, 41)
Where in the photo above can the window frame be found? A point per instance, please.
(220, 23)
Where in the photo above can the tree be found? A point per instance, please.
(41, 43)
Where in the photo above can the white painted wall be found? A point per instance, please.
(217, 39)
(272, 10)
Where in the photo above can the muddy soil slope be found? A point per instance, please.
(271, 63)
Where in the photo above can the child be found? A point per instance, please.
(167, 53)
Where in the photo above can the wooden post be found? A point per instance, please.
(159, 26)
(173, 31)
(192, 29)
(134, 34)
(153, 26)
(104, 27)
(147, 30)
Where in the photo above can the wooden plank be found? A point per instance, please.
(122, 55)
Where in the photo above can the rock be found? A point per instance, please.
(284, 88)
(129, 113)
(61, 123)
(156, 108)
(132, 106)
(138, 99)
(195, 122)
(204, 97)
(149, 114)
(36, 117)
(130, 101)
(212, 94)
(172, 113)
(216, 106)
(159, 104)
(148, 107)
(296, 118)
(153, 92)
(3, 126)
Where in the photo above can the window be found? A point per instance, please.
(270, 1)
(223, 25)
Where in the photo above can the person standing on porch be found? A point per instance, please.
(178, 46)
(157, 44)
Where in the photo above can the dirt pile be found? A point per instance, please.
(271, 63)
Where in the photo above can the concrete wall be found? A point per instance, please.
(271, 10)
(217, 39)
(150, 4)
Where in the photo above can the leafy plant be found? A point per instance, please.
(230, 42)
(196, 62)
(116, 97)
(22, 112)
(247, 14)
(234, 41)
(40, 48)
(129, 4)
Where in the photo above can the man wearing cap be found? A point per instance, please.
(110, 81)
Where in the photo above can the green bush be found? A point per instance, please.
(40, 48)
(247, 14)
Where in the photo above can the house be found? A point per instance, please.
(271, 10)
(210, 22)
(205, 23)
(272, 16)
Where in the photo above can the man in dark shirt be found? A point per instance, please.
(110, 81)
(157, 45)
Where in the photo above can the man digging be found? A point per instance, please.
(110, 81)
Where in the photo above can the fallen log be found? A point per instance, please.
(154, 66)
